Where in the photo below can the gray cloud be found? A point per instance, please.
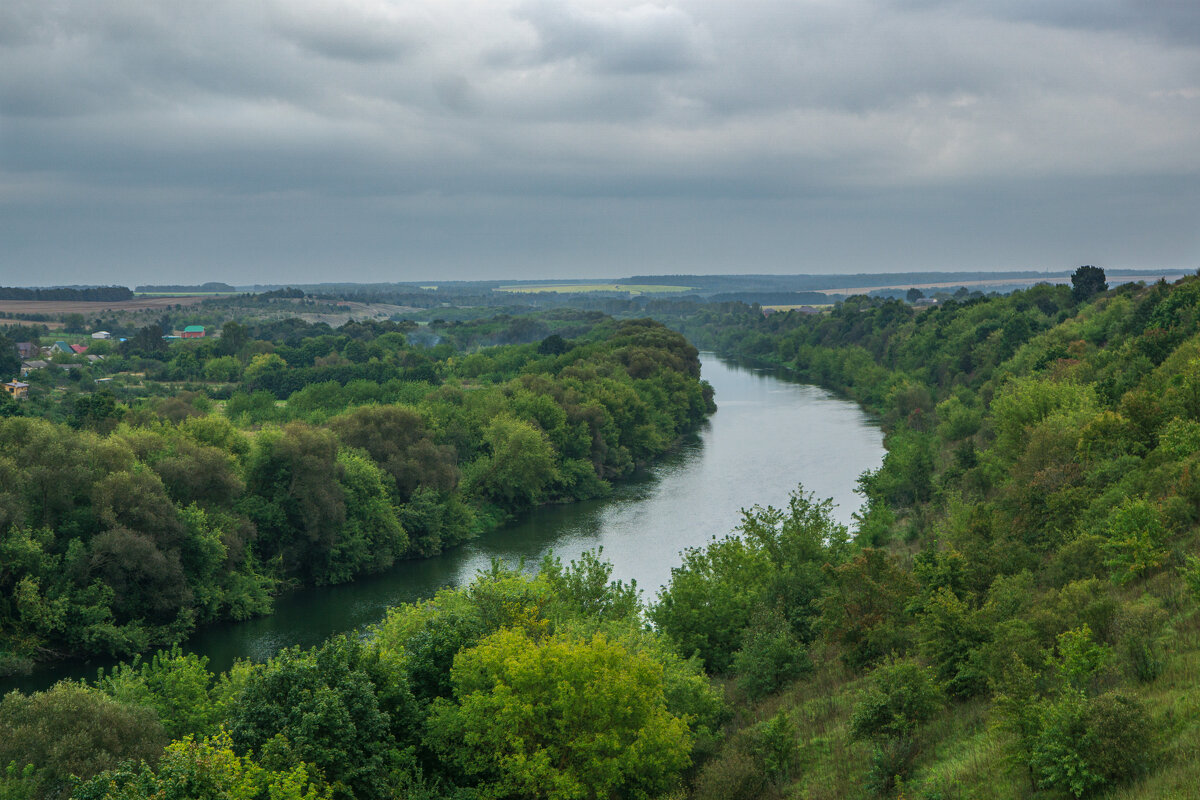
(463, 125)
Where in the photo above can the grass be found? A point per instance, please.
(964, 756)
(584, 288)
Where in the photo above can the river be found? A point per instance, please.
(769, 435)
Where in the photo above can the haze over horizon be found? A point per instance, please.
(366, 140)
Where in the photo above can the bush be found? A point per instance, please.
(1086, 746)
(902, 696)
(770, 658)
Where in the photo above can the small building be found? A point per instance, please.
(17, 389)
(101, 335)
(94, 359)
(26, 350)
(29, 366)
(78, 349)
(193, 332)
(61, 347)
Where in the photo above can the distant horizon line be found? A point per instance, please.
(897, 276)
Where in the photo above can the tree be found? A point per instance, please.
(397, 440)
(147, 342)
(208, 768)
(295, 497)
(177, 686)
(553, 345)
(901, 697)
(73, 731)
(9, 362)
(1086, 282)
(73, 323)
(323, 707)
(521, 466)
(563, 717)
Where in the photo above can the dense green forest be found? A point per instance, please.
(1015, 614)
(290, 454)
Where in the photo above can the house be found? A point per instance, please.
(101, 335)
(61, 347)
(30, 366)
(78, 349)
(193, 332)
(26, 350)
(94, 359)
(17, 389)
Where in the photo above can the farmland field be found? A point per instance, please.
(579, 288)
(140, 303)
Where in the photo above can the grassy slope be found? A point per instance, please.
(964, 752)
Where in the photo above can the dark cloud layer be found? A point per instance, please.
(283, 139)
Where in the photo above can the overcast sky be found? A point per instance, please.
(375, 140)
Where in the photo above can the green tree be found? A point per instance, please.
(901, 697)
(72, 731)
(333, 707)
(560, 718)
(295, 497)
(1086, 282)
(398, 441)
(522, 464)
(178, 686)
(205, 769)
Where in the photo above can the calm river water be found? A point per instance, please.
(769, 435)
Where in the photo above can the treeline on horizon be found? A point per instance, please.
(210, 286)
(90, 293)
(128, 521)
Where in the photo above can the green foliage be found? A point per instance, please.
(777, 560)
(176, 685)
(771, 656)
(337, 707)
(1086, 746)
(191, 769)
(864, 608)
(1134, 540)
(560, 717)
(72, 731)
(900, 698)
(1086, 282)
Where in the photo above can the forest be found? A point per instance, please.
(89, 293)
(300, 455)
(1014, 614)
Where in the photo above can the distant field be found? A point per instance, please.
(90, 306)
(9, 321)
(582, 288)
(183, 294)
(821, 306)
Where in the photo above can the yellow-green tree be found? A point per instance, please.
(563, 717)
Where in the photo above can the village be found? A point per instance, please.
(71, 356)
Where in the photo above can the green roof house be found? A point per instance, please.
(193, 332)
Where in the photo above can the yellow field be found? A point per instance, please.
(579, 288)
(821, 306)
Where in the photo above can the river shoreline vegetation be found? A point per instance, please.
(288, 454)
(1016, 613)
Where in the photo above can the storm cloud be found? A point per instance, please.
(303, 140)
